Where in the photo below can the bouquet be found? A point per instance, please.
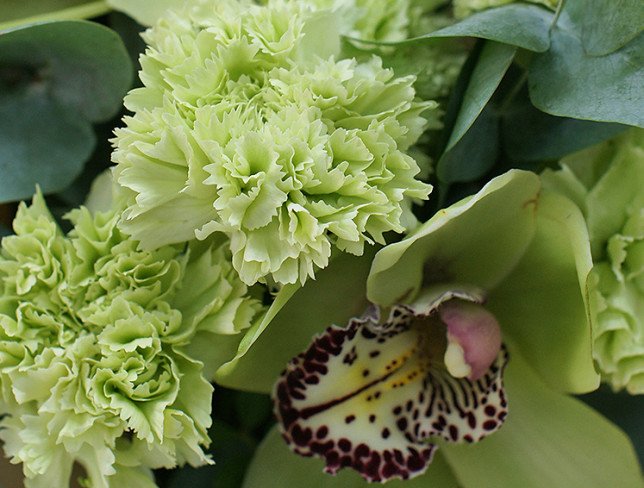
(326, 243)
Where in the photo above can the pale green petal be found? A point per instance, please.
(90, 334)
(477, 241)
(145, 12)
(102, 194)
(242, 127)
(542, 304)
(249, 338)
(335, 296)
(275, 466)
(132, 477)
(548, 440)
(620, 190)
(607, 182)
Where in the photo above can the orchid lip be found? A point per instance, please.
(371, 395)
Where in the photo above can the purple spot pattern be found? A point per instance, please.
(378, 423)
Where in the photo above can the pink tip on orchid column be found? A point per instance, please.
(473, 338)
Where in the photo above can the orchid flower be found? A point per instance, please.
(472, 340)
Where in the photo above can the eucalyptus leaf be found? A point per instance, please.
(607, 25)
(520, 25)
(64, 57)
(40, 143)
(530, 135)
(566, 81)
(474, 154)
(53, 85)
(493, 62)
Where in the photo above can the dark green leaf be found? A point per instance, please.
(608, 25)
(83, 65)
(530, 135)
(567, 82)
(55, 79)
(474, 154)
(40, 143)
(492, 65)
(231, 452)
(253, 410)
(525, 26)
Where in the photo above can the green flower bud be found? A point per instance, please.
(607, 182)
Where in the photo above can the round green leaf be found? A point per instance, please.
(82, 65)
(530, 135)
(607, 25)
(40, 143)
(521, 25)
(548, 440)
(566, 81)
(275, 466)
(55, 79)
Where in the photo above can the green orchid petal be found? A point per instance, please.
(258, 328)
(476, 241)
(542, 304)
(335, 296)
(548, 440)
(274, 466)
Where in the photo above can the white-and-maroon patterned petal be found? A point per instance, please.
(369, 396)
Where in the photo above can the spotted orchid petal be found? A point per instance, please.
(369, 396)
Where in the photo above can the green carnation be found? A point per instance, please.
(463, 8)
(607, 182)
(93, 336)
(248, 125)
